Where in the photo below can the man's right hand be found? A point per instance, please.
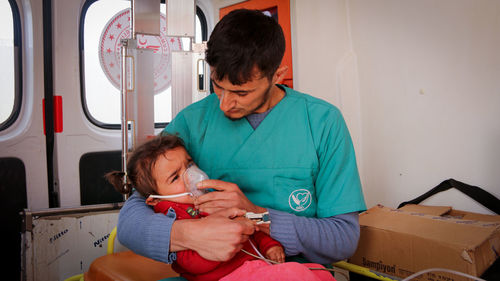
(217, 237)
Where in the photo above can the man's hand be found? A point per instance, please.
(217, 237)
(227, 195)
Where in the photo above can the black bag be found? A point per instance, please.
(478, 194)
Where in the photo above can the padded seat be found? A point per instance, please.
(127, 266)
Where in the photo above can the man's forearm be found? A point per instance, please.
(178, 241)
(217, 237)
(143, 231)
(320, 240)
(154, 235)
(158, 236)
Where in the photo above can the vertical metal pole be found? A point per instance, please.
(124, 122)
(142, 13)
(132, 18)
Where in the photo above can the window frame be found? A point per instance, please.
(18, 67)
(88, 115)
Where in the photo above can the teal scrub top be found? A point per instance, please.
(300, 159)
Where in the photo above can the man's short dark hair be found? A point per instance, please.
(242, 40)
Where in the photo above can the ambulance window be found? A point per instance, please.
(10, 78)
(103, 23)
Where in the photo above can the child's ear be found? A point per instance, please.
(152, 201)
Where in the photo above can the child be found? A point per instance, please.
(156, 168)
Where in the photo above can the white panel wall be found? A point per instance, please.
(79, 135)
(25, 139)
(418, 83)
(324, 62)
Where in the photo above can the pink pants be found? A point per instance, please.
(260, 270)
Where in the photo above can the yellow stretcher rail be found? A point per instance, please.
(365, 271)
(111, 241)
(78, 277)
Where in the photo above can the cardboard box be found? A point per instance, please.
(400, 242)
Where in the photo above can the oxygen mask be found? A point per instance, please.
(191, 177)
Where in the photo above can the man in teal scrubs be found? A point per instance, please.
(265, 147)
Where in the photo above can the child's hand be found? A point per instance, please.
(276, 254)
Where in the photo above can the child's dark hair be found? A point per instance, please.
(242, 40)
(140, 165)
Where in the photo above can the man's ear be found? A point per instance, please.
(279, 75)
(152, 201)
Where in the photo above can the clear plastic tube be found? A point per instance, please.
(411, 277)
(170, 196)
(258, 253)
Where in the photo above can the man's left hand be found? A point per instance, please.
(226, 195)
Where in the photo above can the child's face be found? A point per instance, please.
(168, 171)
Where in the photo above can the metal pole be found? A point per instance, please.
(124, 122)
(132, 18)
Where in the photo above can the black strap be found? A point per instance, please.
(481, 196)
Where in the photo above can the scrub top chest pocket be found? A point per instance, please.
(295, 195)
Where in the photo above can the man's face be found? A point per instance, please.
(238, 101)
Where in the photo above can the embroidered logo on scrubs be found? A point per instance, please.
(300, 200)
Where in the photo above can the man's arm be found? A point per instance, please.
(320, 240)
(143, 231)
(217, 237)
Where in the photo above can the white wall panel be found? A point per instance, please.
(417, 82)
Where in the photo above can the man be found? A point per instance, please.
(266, 148)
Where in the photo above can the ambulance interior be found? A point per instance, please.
(416, 81)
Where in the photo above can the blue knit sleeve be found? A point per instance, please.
(320, 240)
(143, 231)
